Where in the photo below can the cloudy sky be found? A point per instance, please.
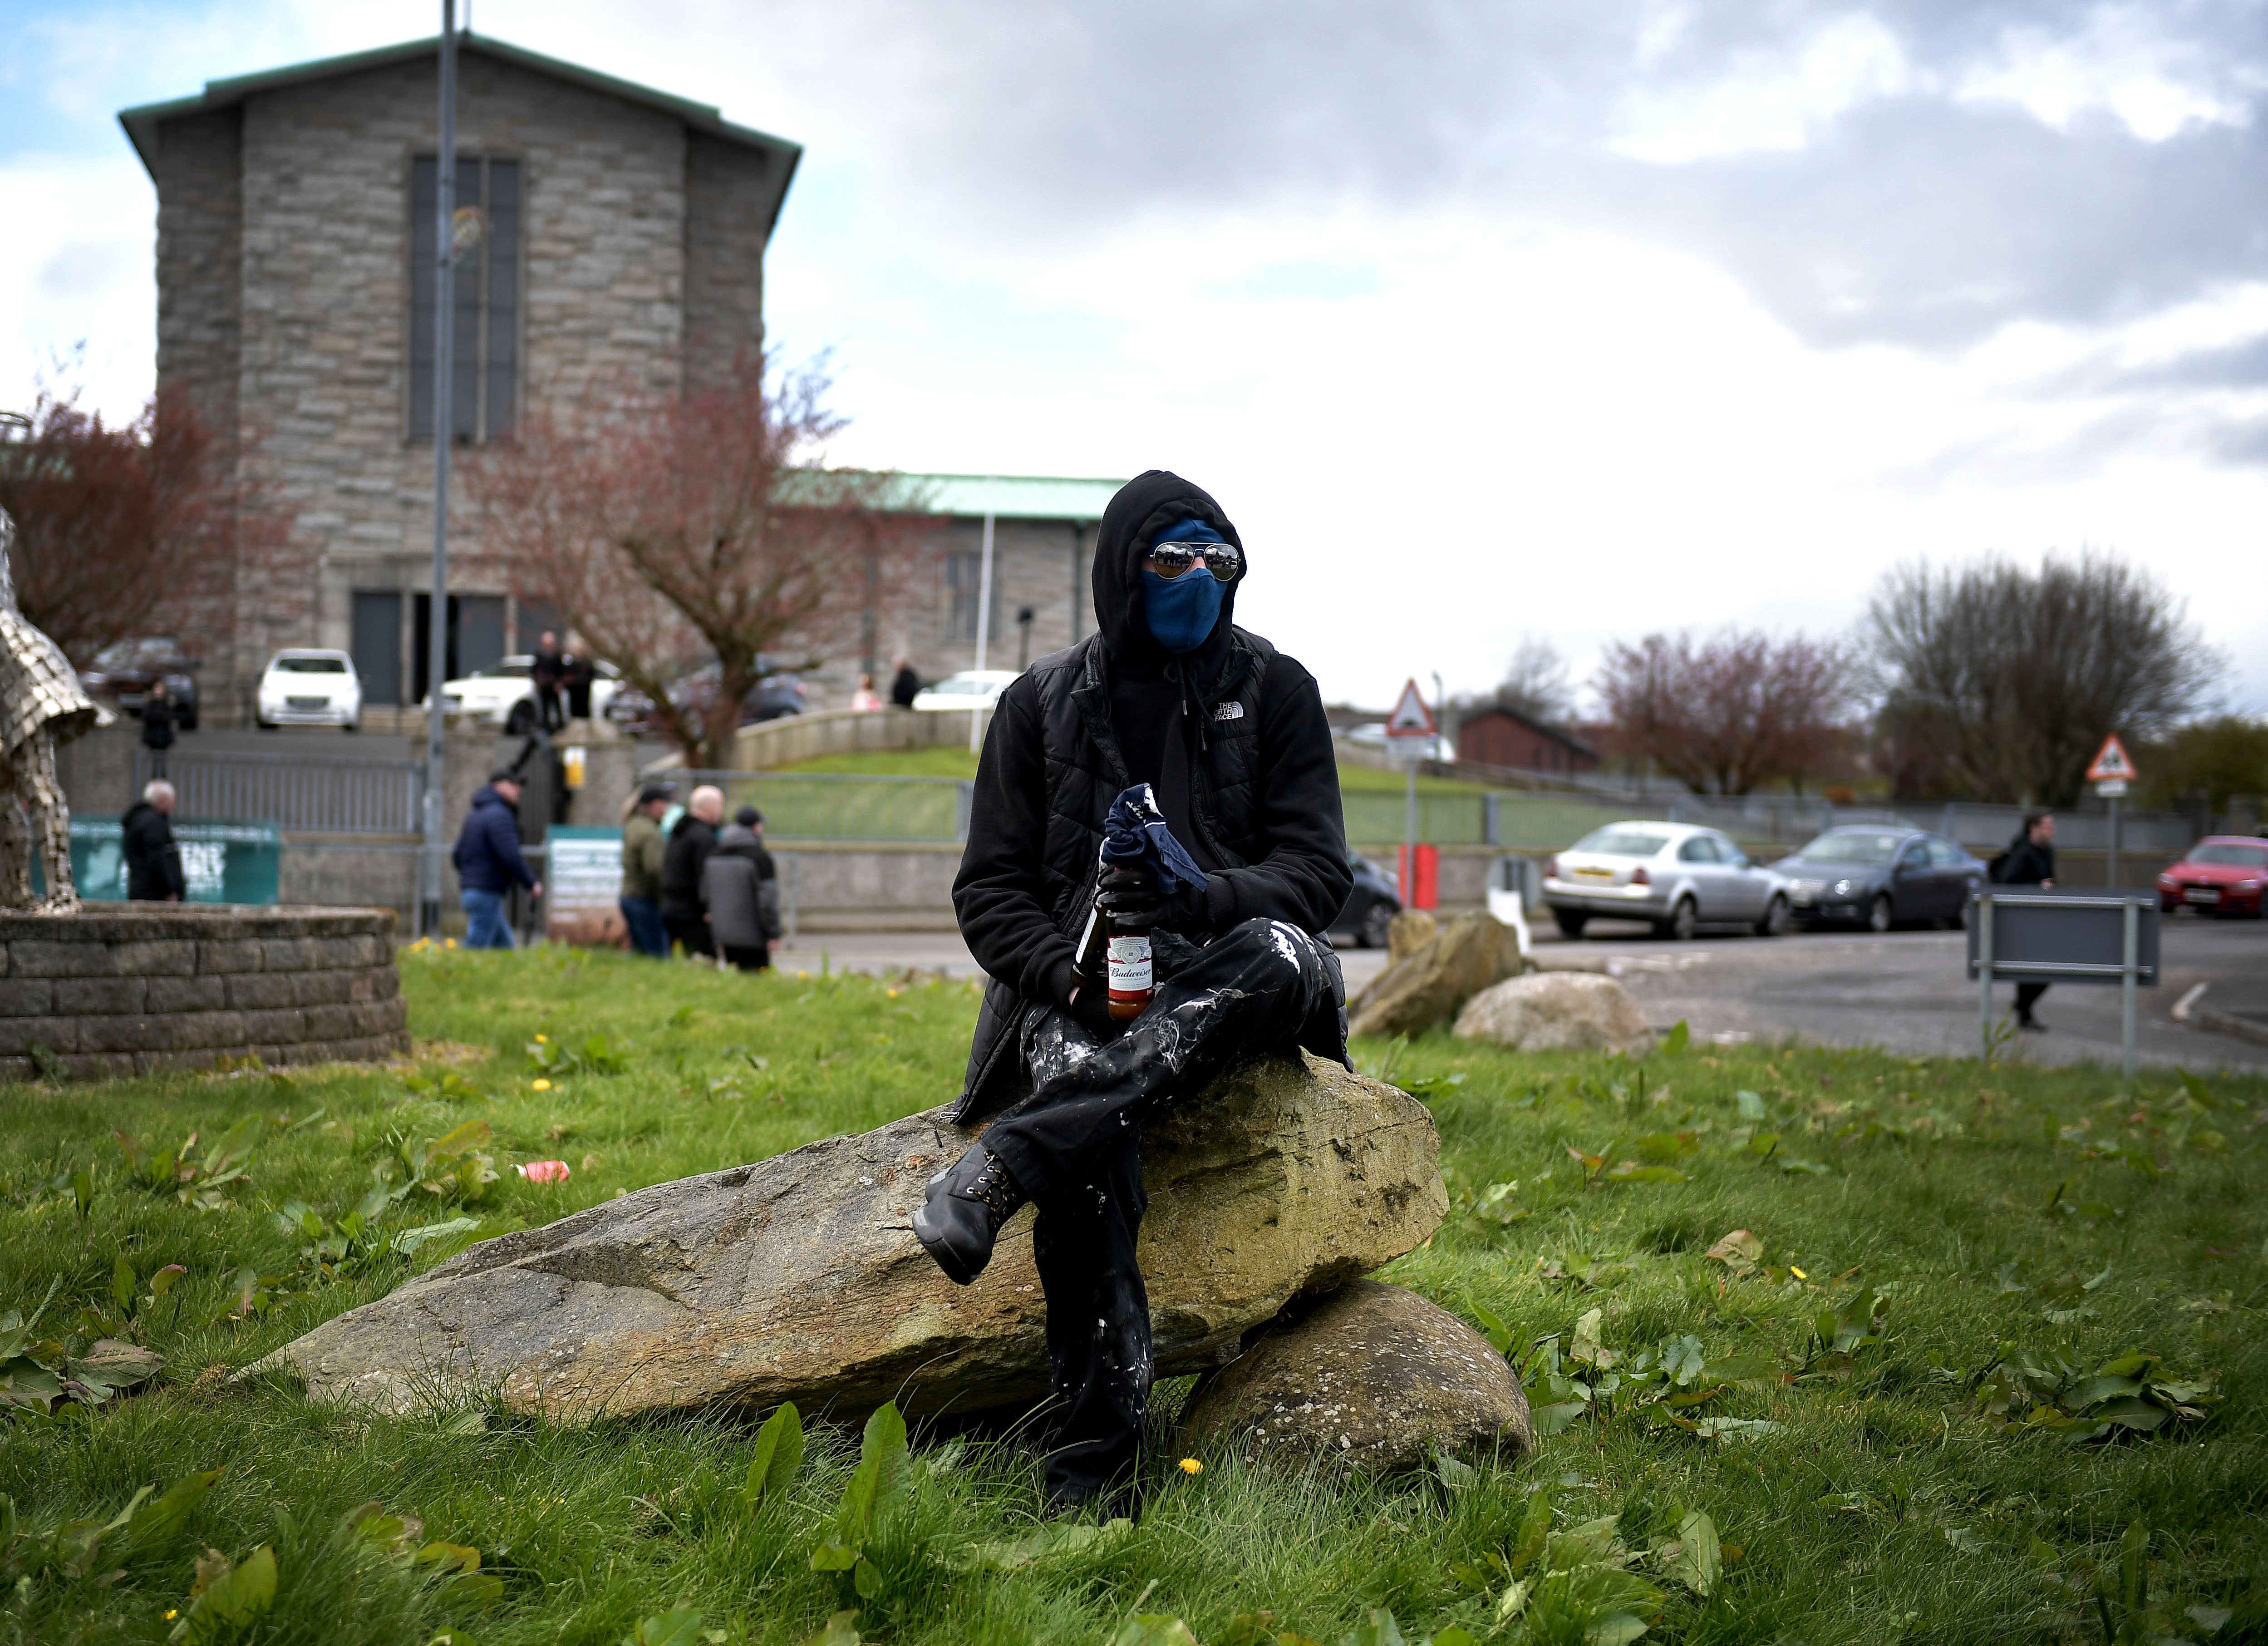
(1575, 319)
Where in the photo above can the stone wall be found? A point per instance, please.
(110, 996)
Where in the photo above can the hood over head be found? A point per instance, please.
(486, 795)
(1144, 506)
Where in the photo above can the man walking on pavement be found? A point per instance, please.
(1248, 864)
(2030, 861)
(489, 862)
(154, 861)
(690, 843)
(905, 685)
(643, 851)
(158, 725)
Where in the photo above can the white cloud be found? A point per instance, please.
(2123, 63)
(1764, 100)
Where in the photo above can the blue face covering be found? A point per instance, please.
(1182, 611)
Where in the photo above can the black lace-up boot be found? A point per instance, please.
(962, 1211)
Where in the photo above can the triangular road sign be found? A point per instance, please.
(1411, 717)
(2111, 762)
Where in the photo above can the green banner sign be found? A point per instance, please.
(222, 861)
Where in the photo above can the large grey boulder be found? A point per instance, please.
(1433, 971)
(799, 1277)
(1557, 1011)
(1373, 1377)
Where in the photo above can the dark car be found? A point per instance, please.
(775, 694)
(1880, 875)
(2222, 873)
(121, 672)
(1370, 907)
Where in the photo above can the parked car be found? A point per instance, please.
(303, 686)
(2221, 874)
(1678, 875)
(1371, 905)
(1879, 875)
(1372, 734)
(504, 696)
(121, 672)
(971, 689)
(777, 693)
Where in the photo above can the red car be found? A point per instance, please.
(2223, 873)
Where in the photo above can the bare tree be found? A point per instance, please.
(2012, 678)
(1536, 683)
(1730, 713)
(670, 530)
(129, 529)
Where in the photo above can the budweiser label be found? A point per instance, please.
(1130, 964)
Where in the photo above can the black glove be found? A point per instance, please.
(1131, 892)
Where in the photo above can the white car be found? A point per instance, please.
(504, 696)
(971, 689)
(1676, 876)
(306, 687)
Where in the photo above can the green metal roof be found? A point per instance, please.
(141, 123)
(1005, 497)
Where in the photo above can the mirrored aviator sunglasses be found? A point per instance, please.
(1224, 561)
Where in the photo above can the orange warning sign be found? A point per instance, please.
(2111, 765)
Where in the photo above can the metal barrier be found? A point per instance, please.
(2036, 934)
(300, 793)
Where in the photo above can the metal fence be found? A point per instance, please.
(300, 793)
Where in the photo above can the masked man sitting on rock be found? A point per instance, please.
(1235, 858)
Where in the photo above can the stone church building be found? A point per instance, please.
(623, 240)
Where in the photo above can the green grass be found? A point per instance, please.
(1885, 1507)
(938, 760)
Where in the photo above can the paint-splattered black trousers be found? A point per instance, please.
(1074, 1145)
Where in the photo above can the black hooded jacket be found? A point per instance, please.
(1244, 770)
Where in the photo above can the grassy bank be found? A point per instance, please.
(1881, 1398)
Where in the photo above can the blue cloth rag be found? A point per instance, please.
(1136, 831)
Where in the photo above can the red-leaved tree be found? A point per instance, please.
(1729, 713)
(676, 530)
(129, 529)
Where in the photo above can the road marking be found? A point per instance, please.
(2181, 1007)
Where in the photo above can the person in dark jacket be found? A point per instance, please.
(158, 725)
(575, 673)
(153, 861)
(549, 671)
(645, 849)
(489, 862)
(1230, 735)
(740, 886)
(690, 843)
(906, 685)
(2030, 861)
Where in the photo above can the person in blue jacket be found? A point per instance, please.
(488, 861)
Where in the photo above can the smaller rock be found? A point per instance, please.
(1373, 1377)
(1425, 982)
(1557, 1011)
(1409, 932)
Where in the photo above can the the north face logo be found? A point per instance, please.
(1228, 712)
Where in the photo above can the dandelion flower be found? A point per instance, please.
(542, 1040)
(542, 1086)
(172, 1612)
(1190, 1466)
(1798, 1274)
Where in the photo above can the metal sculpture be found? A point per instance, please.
(41, 702)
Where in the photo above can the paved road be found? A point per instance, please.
(1906, 990)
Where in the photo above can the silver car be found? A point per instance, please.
(1677, 875)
